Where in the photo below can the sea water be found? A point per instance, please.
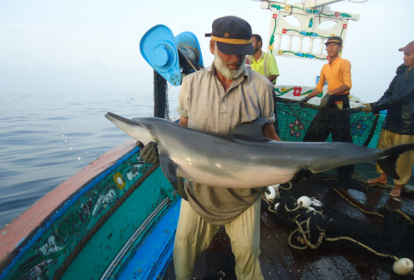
(46, 138)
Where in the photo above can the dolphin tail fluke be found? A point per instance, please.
(388, 164)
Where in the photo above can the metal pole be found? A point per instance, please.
(160, 96)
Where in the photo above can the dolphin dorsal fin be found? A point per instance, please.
(251, 131)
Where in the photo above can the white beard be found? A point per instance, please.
(228, 73)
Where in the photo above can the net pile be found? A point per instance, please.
(382, 237)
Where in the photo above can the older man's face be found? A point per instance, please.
(232, 61)
(230, 65)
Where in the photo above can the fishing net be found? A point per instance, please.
(294, 120)
(381, 238)
(161, 108)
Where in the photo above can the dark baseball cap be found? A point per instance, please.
(233, 35)
(409, 48)
(334, 39)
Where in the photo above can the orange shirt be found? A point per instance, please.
(336, 75)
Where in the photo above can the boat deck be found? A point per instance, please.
(280, 261)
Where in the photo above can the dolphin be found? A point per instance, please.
(244, 158)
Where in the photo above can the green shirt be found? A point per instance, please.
(266, 65)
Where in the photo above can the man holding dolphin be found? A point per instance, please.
(216, 100)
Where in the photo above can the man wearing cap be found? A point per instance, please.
(261, 62)
(217, 99)
(338, 75)
(398, 126)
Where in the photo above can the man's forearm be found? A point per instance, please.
(272, 77)
(276, 137)
(339, 90)
(183, 121)
(314, 93)
(268, 131)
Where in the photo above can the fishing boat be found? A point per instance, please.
(116, 218)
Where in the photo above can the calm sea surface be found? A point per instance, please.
(46, 138)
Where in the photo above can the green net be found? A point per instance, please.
(375, 137)
(295, 118)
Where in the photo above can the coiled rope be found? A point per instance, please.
(303, 233)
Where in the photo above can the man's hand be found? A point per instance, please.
(305, 99)
(150, 153)
(367, 109)
(325, 100)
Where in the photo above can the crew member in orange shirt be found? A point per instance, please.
(338, 75)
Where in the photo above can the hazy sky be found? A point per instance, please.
(93, 46)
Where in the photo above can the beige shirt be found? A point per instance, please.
(210, 109)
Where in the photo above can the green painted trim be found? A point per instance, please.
(304, 55)
(294, 7)
(305, 93)
(345, 15)
(308, 34)
(272, 38)
(99, 252)
(308, 11)
(282, 92)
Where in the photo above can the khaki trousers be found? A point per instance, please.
(194, 235)
(405, 161)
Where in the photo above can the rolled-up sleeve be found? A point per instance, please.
(346, 72)
(321, 81)
(267, 103)
(272, 65)
(183, 98)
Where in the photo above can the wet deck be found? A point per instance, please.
(280, 261)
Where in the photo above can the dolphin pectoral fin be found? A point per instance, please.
(251, 131)
(388, 166)
(180, 188)
(169, 168)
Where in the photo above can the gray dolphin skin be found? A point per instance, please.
(244, 158)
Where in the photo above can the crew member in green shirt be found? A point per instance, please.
(261, 62)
